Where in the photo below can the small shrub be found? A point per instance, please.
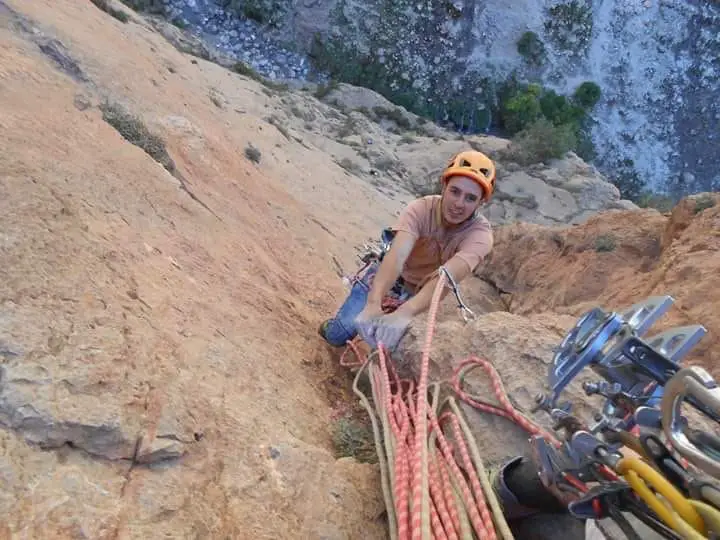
(134, 131)
(323, 90)
(105, 6)
(252, 153)
(585, 147)
(524, 105)
(452, 10)
(348, 164)
(353, 439)
(303, 114)
(422, 186)
(245, 70)
(703, 202)
(217, 100)
(661, 203)
(605, 243)
(268, 12)
(384, 163)
(531, 48)
(275, 121)
(628, 180)
(350, 127)
(394, 114)
(540, 142)
(559, 110)
(587, 95)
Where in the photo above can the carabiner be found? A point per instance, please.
(691, 382)
(467, 313)
(638, 474)
(710, 514)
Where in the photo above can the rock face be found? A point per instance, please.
(159, 370)
(615, 259)
(165, 269)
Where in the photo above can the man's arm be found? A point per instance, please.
(459, 270)
(391, 267)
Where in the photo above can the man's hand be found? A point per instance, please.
(375, 327)
(391, 328)
(365, 323)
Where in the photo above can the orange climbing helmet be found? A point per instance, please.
(474, 165)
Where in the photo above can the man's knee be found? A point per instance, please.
(337, 332)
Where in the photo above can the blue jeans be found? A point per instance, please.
(341, 329)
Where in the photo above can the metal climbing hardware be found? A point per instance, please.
(692, 384)
(613, 345)
(467, 313)
(369, 254)
(555, 465)
(638, 474)
(608, 500)
(638, 456)
(378, 250)
(697, 487)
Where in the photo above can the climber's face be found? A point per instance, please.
(461, 197)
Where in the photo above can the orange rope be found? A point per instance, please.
(506, 409)
(420, 457)
(433, 507)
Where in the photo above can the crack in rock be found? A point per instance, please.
(59, 54)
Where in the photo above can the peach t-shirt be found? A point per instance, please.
(435, 245)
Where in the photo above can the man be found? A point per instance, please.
(437, 230)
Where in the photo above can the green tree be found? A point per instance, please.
(531, 48)
(559, 110)
(587, 95)
(522, 108)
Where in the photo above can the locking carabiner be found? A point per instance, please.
(698, 385)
